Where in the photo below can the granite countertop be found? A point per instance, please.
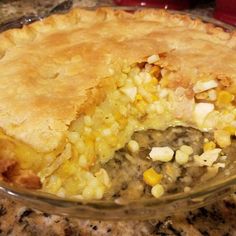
(217, 219)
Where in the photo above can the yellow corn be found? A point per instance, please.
(139, 97)
(54, 183)
(126, 69)
(209, 146)
(230, 129)
(186, 149)
(154, 81)
(224, 98)
(154, 97)
(222, 138)
(164, 81)
(151, 177)
(141, 106)
(67, 169)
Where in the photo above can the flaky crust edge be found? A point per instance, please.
(56, 21)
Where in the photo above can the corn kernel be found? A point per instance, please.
(186, 149)
(80, 146)
(224, 98)
(131, 92)
(83, 162)
(88, 121)
(222, 138)
(106, 132)
(137, 80)
(126, 69)
(157, 191)
(181, 157)
(228, 118)
(113, 141)
(151, 177)
(103, 177)
(133, 146)
(67, 169)
(209, 146)
(73, 136)
(139, 97)
(187, 189)
(130, 158)
(99, 192)
(153, 97)
(163, 92)
(230, 129)
(164, 81)
(206, 140)
(87, 130)
(158, 107)
(142, 107)
(54, 183)
(145, 77)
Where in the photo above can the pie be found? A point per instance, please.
(75, 87)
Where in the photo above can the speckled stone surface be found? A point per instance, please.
(218, 219)
(12, 9)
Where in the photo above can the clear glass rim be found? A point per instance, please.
(103, 209)
(26, 193)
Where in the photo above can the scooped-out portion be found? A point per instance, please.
(143, 98)
(133, 176)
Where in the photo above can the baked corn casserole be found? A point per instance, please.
(88, 97)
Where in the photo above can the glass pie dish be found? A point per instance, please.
(200, 195)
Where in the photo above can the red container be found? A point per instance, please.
(167, 4)
(226, 11)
